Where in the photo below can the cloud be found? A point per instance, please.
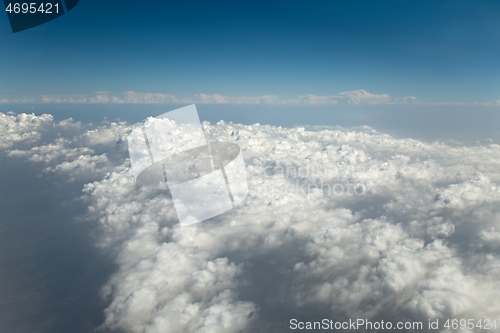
(354, 97)
(137, 97)
(212, 99)
(23, 129)
(104, 97)
(315, 99)
(219, 99)
(338, 224)
(363, 97)
(349, 97)
(17, 100)
(97, 97)
(132, 97)
(64, 147)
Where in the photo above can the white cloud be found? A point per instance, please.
(97, 97)
(364, 97)
(132, 97)
(104, 97)
(137, 97)
(24, 128)
(64, 147)
(16, 100)
(354, 97)
(315, 99)
(348, 97)
(421, 242)
(212, 99)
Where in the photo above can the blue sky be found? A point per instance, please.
(438, 52)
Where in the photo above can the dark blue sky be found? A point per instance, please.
(438, 51)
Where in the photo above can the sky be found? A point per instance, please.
(237, 52)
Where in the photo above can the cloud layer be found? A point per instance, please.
(355, 97)
(133, 97)
(337, 224)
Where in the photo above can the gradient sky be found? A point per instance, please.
(444, 51)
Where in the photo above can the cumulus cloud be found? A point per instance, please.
(64, 147)
(348, 223)
(20, 129)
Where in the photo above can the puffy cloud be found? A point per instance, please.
(24, 128)
(172, 288)
(490, 237)
(348, 223)
(64, 147)
(371, 255)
